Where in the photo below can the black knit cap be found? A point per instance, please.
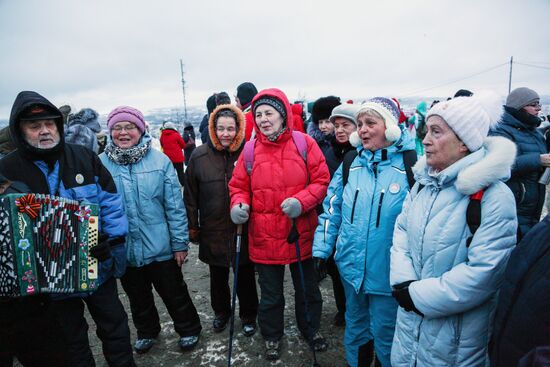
(246, 91)
(273, 102)
(211, 103)
(322, 108)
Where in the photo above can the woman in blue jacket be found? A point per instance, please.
(444, 272)
(358, 219)
(157, 232)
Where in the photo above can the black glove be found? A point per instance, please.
(401, 293)
(320, 267)
(102, 251)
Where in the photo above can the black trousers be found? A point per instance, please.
(337, 287)
(272, 300)
(29, 332)
(220, 294)
(112, 327)
(168, 281)
(179, 171)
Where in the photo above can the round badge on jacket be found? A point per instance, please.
(79, 178)
(394, 188)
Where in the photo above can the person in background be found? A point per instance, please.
(519, 124)
(243, 99)
(203, 127)
(444, 272)
(172, 145)
(82, 128)
(417, 126)
(320, 128)
(280, 188)
(189, 139)
(157, 238)
(6, 144)
(207, 202)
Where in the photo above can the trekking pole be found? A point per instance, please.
(234, 297)
(293, 237)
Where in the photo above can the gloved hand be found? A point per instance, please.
(239, 213)
(291, 207)
(320, 267)
(194, 235)
(401, 294)
(102, 251)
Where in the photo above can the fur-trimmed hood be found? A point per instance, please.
(241, 126)
(478, 170)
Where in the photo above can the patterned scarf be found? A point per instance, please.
(127, 156)
(275, 136)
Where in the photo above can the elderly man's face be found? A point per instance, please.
(41, 134)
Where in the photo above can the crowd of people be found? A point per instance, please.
(429, 226)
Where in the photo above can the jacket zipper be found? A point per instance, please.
(379, 208)
(354, 202)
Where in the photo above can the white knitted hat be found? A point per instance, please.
(389, 111)
(470, 117)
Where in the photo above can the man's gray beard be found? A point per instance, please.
(38, 146)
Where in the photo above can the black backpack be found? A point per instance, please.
(473, 212)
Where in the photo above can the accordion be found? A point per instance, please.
(44, 245)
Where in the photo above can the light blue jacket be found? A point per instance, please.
(154, 205)
(359, 218)
(455, 285)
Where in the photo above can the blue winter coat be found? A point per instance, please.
(527, 168)
(359, 218)
(154, 205)
(454, 286)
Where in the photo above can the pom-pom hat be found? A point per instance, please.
(470, 118)
(390, 113)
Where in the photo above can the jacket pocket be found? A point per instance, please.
(353, 206)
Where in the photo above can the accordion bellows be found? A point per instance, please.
(44, 245)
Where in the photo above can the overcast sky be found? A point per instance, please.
(104, 53)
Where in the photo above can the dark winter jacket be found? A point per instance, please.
(203, 129)
(69, 171)
(324, 141)
(189, 139)
(172, 144)
(520, 127)
(207, 197)
(523, 314)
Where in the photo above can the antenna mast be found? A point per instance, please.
(183, 89)
(510, 77)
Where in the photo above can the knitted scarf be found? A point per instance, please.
(275, 136)
(127, 156)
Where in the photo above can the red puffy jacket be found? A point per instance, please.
(172, 144)
(279, 172)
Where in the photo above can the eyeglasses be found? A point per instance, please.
(127, 128)
(534, 104)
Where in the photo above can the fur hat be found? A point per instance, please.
(245, 92)
(463, 93)
(389, 111)
(521, 97)
(322, 108)
(126, 113)
(470, 117)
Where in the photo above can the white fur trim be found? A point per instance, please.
(501, 154)
(354, 139)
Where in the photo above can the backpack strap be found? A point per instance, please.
(473, 214)
(346, 164)
(299, 140)
(409, 159)
(248, 152)
(301, 144)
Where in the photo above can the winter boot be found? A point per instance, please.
(272, 350)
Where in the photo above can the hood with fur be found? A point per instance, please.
(478, 170)
(241, 125)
